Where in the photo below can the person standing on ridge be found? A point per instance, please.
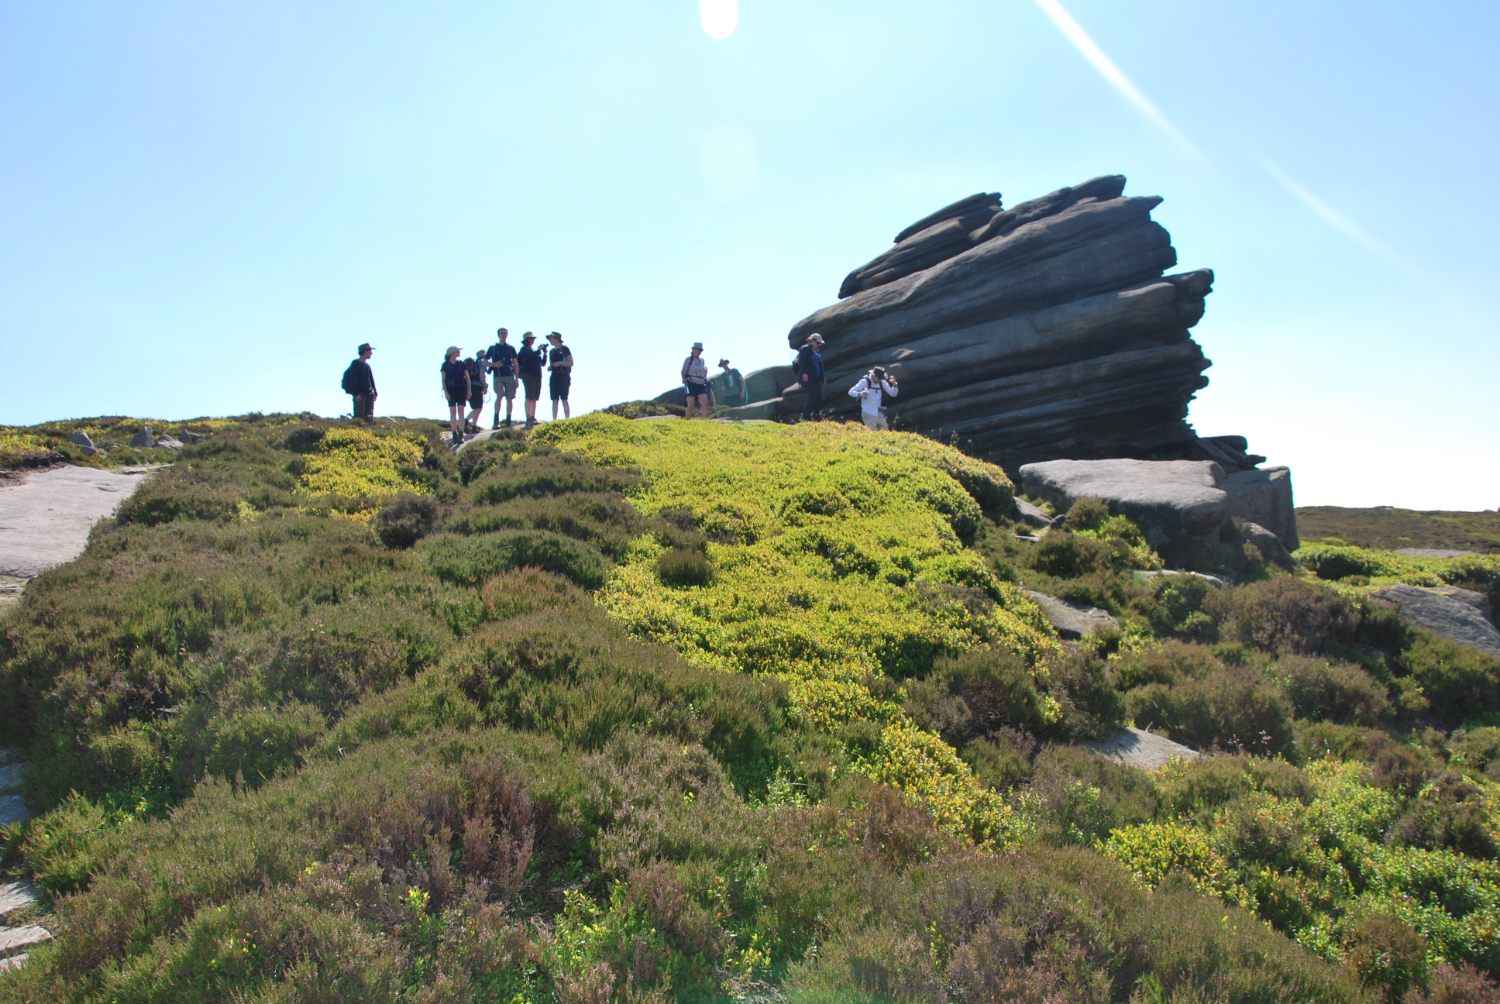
(502, 357)
(810, 374)
(359, 383)
(560, 362)
(454, 375)
(871, 390)
(695, 381)
(529, 362)
(478, 384)
(735, 388)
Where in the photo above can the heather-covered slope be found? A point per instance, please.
(672, 711)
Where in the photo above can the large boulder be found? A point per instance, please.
(1264, 497)
(1445, 615)
(143, 440)
(1049, 329)
(1178, 504)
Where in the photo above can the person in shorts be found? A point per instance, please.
(695, 381)
(454, 375)
(560, 363)
(529, 362)
(502, 361)
(872, 389)
(478, 384)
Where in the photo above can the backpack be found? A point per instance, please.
(351, 382)
(797, 365)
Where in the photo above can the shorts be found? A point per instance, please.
(457, 398)
(476, 399)
(559, 383)
(533, 385)
(695, 389)
(505, 386)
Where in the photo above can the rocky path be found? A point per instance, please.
(1138, 748)
(45, 516)
(19, 932)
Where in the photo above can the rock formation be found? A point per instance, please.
(1048, 330)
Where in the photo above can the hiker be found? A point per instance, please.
(736, 391)
(810, 374)
(873, 388)
(478, 369)
(455, 381)
(695, 381)
(529, 362)
(502, 362)
(560, 362)
(359, 383)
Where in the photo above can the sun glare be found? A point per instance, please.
(719, 17)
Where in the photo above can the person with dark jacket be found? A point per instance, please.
(479, 383)
(359, 381)
(455, 383)
(529, 361)
(502, 362)
(810, 366)
(560, 362)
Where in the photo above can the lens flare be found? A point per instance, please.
(719, 18)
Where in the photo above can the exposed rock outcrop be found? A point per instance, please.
(1446, 615)
(1047, 330)
(1178, 504)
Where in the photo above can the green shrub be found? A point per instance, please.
(1070, 555)
(257, 744)
(1090, 705)
(63, 847)
(406, 519)
(683, 566)
(1476, 750)
(1338, 691)
(468, 561)
(974, 693)
(1083, 797)
(1002, 759)
(525, 590)
(1459, 682)
(543, 472)
(1285, 615)
(1169, 663)
(1460, 984)
(1228, 709)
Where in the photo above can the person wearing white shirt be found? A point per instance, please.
(872, 389)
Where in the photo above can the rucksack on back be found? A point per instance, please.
(351, 382)
(797, 366)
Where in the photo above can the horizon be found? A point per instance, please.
(214, 207)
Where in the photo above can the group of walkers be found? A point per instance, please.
(466, 382)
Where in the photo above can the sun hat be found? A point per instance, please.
(366, 347)
(555, 334)
(698, 346)
(815, 337)
(528, 337)
(453, 350)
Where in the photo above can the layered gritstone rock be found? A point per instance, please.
(1048, 330)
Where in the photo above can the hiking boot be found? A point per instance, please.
(497, 424)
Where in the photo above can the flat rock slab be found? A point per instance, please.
(1073, 620)
(1435, 552)
(14, 962)
(1178, 504)
(1443, 615)
(10, 775)
(19, 939)
(16, 896)
(45, 519)
(1138, 748)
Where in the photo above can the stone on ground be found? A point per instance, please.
(1443, 615)
(1138, 748)
(1178, 504)
(1073, 620)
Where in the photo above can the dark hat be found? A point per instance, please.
(698, 346)
(528, 337)
(555, 334)
(366, 347)
(723, 362)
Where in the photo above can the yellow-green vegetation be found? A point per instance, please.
(834, 555)
(359, 467)
(444, 754)
(1376, 567)
(21, 449)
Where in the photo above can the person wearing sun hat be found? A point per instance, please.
(529, 364)
(560, 362)
(455, 381)
(695, 381)
(810, 374)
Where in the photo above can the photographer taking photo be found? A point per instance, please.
(873, 388)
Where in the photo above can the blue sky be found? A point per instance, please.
(207, 206)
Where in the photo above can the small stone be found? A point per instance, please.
(16, 896)
(1032, 515)
(10, 775)
(1138, 748)
(1073, 620)
(169, 443)
(191, 437)
(81, 439)
(13, 810)
(143, 440)
(18, 939)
